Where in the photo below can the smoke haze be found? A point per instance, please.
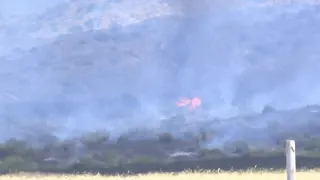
(237, 56)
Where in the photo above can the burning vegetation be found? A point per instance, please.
(190, 103)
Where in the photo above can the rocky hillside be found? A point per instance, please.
(76, 16)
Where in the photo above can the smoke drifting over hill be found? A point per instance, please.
(119, 65)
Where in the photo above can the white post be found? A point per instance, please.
(291, 159)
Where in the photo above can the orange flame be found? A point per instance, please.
(192, 103)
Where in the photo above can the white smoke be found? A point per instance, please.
(238, 56)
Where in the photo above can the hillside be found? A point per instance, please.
(83, 66)
(75, 16)
(95, 85)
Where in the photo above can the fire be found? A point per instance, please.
(191, 103)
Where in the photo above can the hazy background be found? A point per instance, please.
(83, 65)
(23, 7)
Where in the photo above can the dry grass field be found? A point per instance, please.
(248, 175)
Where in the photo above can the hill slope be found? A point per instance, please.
(136, 62)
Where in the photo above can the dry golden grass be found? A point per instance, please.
(256, 175)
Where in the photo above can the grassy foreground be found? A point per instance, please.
(257, 175)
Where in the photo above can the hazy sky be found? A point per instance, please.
(23, 7)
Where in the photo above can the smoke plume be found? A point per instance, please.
(236, 56)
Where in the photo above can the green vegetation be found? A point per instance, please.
(97, 150)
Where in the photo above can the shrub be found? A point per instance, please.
(142, 160)
(311, 144)
(211, 153)
(165, 138)
(14, 163)
(122, 139)
(95, 138)
(14, 147)
(241, 148)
